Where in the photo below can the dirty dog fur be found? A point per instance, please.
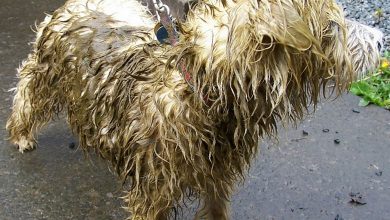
(253, 64)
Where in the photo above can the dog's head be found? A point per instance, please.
(365, 44)
(270, 59)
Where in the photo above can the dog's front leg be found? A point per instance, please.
(214, 208)
(146, 203)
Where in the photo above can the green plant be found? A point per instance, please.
(375, 88)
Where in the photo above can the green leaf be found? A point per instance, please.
(386, 71)
(386, 104)
(360, 88)
(387, 54)
(375, 89)
(363, 102)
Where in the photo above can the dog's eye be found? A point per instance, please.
(379, 46)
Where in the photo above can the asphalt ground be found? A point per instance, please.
(334, 165)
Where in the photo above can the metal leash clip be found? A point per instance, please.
(160, 8)
(166, 33)
(165, 29)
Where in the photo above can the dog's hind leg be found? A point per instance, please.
(30, 109)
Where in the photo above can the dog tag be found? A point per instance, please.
(161, 33)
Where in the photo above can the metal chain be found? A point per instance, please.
(160, 8)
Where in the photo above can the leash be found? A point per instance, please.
(166, 33)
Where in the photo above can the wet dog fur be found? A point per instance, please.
(253, 64)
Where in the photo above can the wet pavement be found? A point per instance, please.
(307, 174)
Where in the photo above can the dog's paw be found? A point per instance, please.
(25, 145)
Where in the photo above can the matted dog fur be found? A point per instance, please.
(254, 63)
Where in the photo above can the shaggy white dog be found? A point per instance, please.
(184, 120)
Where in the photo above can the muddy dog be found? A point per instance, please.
(184, 120)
